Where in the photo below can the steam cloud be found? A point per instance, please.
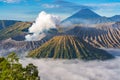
(43, 23)
(50, 69)
(4, 52)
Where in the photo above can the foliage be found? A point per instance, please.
(11, 69)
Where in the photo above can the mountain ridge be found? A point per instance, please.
(7, 23)
(85, 13)
(87, 16)
(69, 47)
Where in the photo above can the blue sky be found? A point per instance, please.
(27, 10)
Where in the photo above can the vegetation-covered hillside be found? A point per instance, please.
(17, 29)
(11, 69)
(69, 47)
(7, 23)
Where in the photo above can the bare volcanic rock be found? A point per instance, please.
(100, 35)
(69, 47)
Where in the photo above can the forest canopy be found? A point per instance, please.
(11, 69)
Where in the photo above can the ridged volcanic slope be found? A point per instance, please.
(69, 47)
(103, 35)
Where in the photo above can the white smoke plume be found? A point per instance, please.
(50, 69)
(43, 23)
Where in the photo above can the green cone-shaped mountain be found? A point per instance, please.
(69, 47)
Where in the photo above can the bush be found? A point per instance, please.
(11, 69)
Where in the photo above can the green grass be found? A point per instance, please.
(14, 30)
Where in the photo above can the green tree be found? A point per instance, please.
(11, 69)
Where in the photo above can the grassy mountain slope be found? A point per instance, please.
(69, 47)
(18, 28)
(7, 23)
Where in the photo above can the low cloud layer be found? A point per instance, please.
(4, 52)
(50, 69)
(20, 54)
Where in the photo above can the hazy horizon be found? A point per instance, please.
(28, 10)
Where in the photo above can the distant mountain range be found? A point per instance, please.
(87, 16)
(7, 23)
(17, 30)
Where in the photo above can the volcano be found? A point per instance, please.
(87, 16)
(82, 16)
(69, 47)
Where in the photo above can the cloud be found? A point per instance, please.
(50, 6)
(21, 54)
(9, 1)
(50, 69)
(43, 23)
(104, 5)
(60, 6)
(106, 9)
(4, 52)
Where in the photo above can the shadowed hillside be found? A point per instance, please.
(101, 35)
(7, 23)
(69, 47)
(18, 29)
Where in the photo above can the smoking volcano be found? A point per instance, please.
(43, 23)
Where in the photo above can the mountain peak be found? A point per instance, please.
(86, 9)
(86, 14)
(69, 47)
